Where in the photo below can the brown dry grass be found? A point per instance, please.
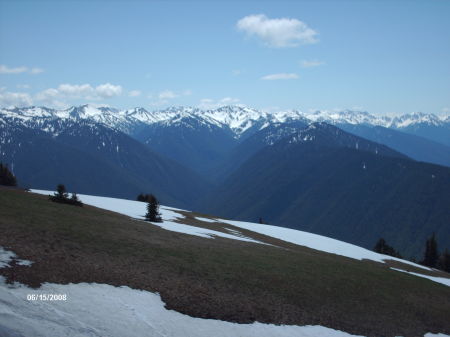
(217, 278)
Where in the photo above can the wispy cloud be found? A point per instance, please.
(277, 33)
(134, 93)
(6, 70)
(165, 96)
(280, 76)
(19, 70)
(236, 72)
(208, 103)
(311, 63)
(15, 99)
(36, 71)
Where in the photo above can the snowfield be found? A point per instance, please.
(99, 310)
(137, 209)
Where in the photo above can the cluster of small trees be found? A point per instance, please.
(153, 214)
(7, 178)
(62, 196)
(383, 248)
(431, 257)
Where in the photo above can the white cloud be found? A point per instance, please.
(280, 76)
(108, 90)
(277, 33)
(18, 70)
(134, 93)
(208, 103)
(6, 70)
(36, 71)
(15, 99)
(74, 90)
(311, 63)
(167, 94)
(59, 96)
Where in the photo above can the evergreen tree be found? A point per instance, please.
(141, 197)
(431, 255)
(383, 248)
(444, 261)
(74, 200)
(153, 209)
(6, 176)
(62, 196)
(61, 192)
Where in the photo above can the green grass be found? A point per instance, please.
(217, 278)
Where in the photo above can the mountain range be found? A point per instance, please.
(348, 174)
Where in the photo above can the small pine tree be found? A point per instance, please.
(6, 176)
(444, 261)
(61, 192)
(62, 196)
(74, 200)
(153, 214)
(431, 255)
(261, 220)
(141, 197)
(383, 248)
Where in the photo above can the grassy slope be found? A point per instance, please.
(217, 278)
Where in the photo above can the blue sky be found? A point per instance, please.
(384, 57)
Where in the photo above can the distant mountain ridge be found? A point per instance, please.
(239, 119)
(201, 139)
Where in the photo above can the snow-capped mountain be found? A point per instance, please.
(237, 118)
(199, 139)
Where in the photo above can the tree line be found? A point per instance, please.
(431, 257)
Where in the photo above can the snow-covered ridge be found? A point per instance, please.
(237, 118)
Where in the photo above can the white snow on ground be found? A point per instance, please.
(137, 209)
(205, 219)
(7, 256)
(199, 231)
(443, 280)
(98, 310)
(317, 242)
(134, 209)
